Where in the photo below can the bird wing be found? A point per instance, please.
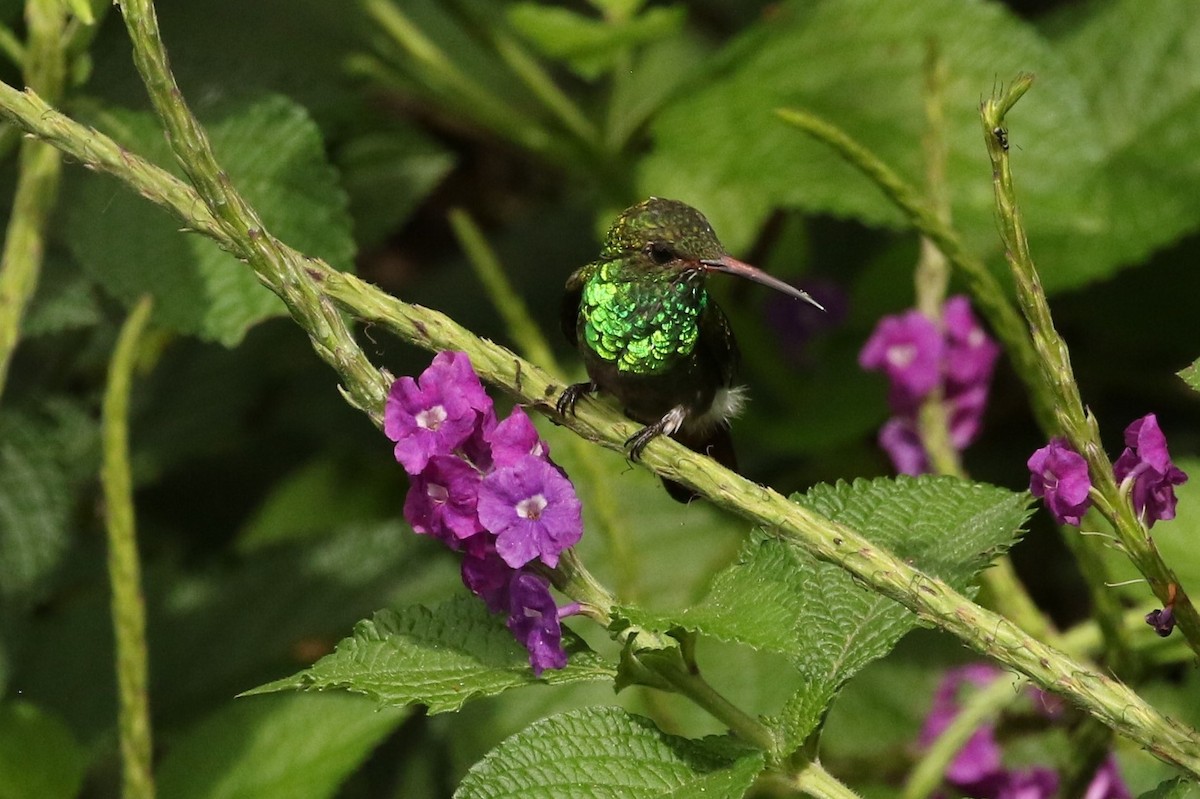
(716, 336)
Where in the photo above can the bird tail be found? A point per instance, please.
(716, 442)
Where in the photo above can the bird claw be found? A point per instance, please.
(638, 441)
(570, 396)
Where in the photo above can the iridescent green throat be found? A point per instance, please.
(643, 321)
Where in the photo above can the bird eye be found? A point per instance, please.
(660, 253)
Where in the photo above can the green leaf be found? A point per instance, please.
(1177, 788)
(35, 505)
(289, 746)
(605, 752)
(275, 157)
(741, 161)
(387, 174)
(39, 757)
(779, 598)
(440, 658)
(590, 46)
(1191, 375)
(1144, 99)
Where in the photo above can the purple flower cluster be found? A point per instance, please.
(1059, 475)
(978, 769)
(488, 489)
(917, 358)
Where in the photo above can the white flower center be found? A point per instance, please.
(976, 338)
(431, 418)
(537, 450)
(437, 493)
(901, 355)
(531, 508)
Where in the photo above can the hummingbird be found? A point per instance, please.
(652, 336)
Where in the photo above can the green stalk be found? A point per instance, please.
(931, 599)
(985, 704)
(37, 183)
(813, 780)
(1058, 379)
(984, 288)
(124, 570)
(242, 231)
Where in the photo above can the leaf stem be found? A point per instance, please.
(813, 780)
(696, 688)
(1057, 377)
(124, 570)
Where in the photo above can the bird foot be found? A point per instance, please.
(570, 396)
(667, 425)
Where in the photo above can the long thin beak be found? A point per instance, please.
(733, 266)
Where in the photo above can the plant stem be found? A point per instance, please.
(696, 688)
(813, 780)
(37, 183)
(124, 571)
(985, 290)
(1057, 377)
(928, 597)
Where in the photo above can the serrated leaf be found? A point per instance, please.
(779, 598)
(35, 505)
(289, 746)
(1177, 788)
(39, 757)
(440, 658)
(858, 63)
(606, 752)
(587, 44)
(1191, 375)
(275, 157)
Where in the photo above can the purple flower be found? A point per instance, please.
(1037, 783)
(1059, 475)
(533, 511)
(1147, 463)
(485, 574)
(435, 414)
(533, 619)
(516, 437)
(1107, 784)
(898, 438)
(908, 348)
(970, 353)
(1162, 620)
(978, 762)
(442, 499)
